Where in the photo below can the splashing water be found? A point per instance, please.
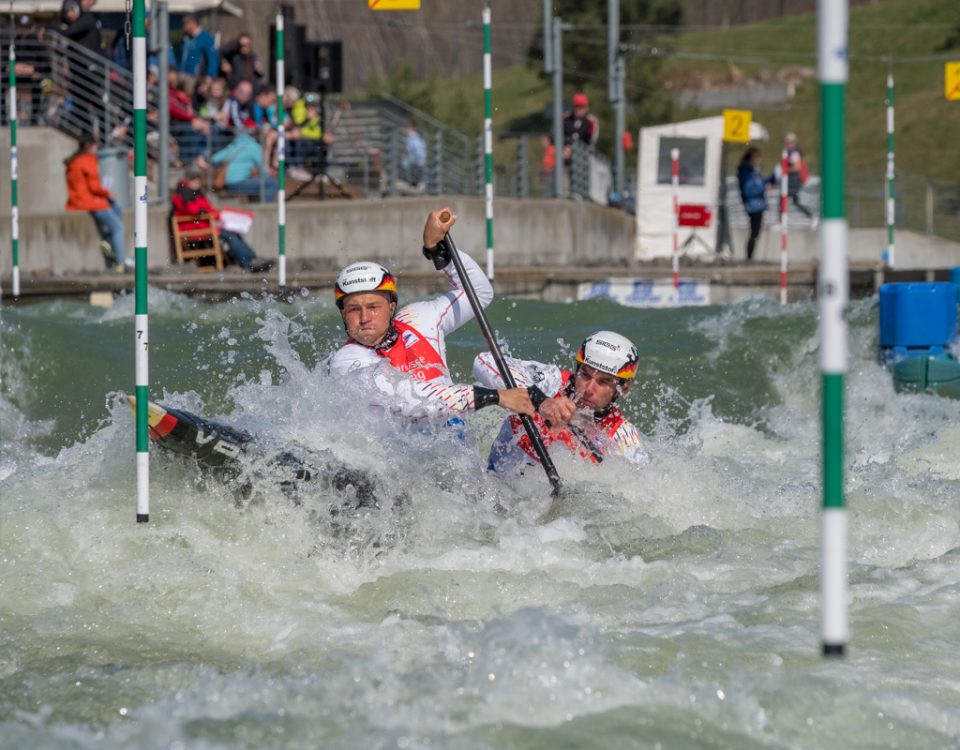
(673, 606)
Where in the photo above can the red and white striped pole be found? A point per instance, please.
(675, 181)
(783, 227)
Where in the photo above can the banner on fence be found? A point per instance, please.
(647, 292)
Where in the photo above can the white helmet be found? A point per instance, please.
(611, 353)
(364, 276)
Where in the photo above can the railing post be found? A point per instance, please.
(393, 162)
(523, 186)
(438, 161)
(107, 130)
(163, 105)
(928, 207)
(366, 175)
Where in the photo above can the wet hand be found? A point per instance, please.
(558, 411)
(516, 400)
(438, 224)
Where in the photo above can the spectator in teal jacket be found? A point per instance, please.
(244, 160)
(198, 52)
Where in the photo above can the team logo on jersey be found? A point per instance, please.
(409, 338)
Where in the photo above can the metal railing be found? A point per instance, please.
(924, 205)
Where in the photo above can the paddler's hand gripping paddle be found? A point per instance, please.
(535, 440)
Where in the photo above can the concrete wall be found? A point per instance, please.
(526, 233)
(41, 188)
(537, 233)
(913, 250)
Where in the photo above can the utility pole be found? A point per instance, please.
(616, 73)
(557, 64)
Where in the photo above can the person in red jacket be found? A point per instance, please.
(189, 201)
(85, 193)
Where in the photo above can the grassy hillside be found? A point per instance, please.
(928, 126)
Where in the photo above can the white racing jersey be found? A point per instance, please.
(592, 435)
(423, 386)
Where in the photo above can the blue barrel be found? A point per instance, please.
(918, 315)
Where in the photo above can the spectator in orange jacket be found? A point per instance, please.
(85, 193)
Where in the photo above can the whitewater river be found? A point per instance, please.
(675, 606)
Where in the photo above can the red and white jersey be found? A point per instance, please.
(411, 378)
(591, 436)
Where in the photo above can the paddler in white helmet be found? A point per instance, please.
(403, 354)
(575, 408)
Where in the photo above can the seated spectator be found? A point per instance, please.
(245, 169)
(189, 130)
(85, 193)
(216, 110)
(313, 141)
(241, 107)
(239, 62)
(266, 117)
(189, 201)
(291, 99)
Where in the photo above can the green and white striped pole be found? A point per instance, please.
(889, 257)
(488, 136)
(14, 209)
(832, 72)
(282, 153)
(141, 339)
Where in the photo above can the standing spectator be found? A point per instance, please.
(85, 79)
(753, 192)
(414, 162)
(33, 65)
(239, 62)
(80, 26)
(85, 193)
(797, 174)
(579, 125)
(198, 51)
(244, 166)
(189, 201)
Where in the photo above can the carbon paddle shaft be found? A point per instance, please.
(535, 440)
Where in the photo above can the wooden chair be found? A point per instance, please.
(195, 238)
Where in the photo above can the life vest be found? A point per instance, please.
(608, 425)
(412, 353)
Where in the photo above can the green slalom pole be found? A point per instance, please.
(488, 136)
(282, 153)
(14, 209)
(141, 340)
(889, 257)
(833, 282)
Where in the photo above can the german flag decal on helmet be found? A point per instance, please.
(364, 277)
(611, 353)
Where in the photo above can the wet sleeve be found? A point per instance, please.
(405, 396)
(386, 387)
(525, 373)
(628, 442)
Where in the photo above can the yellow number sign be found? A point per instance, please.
(393, 4)
(951, 80)
(736, 125)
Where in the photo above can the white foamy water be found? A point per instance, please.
(675, 606)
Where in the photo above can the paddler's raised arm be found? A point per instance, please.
(435, 249)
